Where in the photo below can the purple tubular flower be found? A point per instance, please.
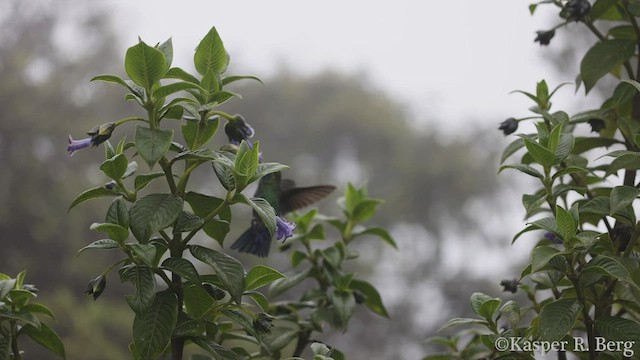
(284, 228)
(552, 237)
(75, 145)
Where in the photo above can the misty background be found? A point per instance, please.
(405, 97)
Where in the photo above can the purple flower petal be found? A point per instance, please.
(75, 145)
(284, 228)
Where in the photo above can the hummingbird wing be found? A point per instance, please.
(297, 198)
(287, 184)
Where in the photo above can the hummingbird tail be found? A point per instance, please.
(255, 240)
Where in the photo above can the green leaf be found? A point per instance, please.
(224, 172)
(5, 347)
(190, 129)
(152, 144)
(365, 210)
(557, 318)
(115, 232)
(621, 197)
(152, 213)
(540, 154)
(462, 322)
(92, 193)
(118, 213)
(153, 327)
(548, 224)
(166, 90)
(372, 298)
(260, 276)
(100, 245)
(218, 351)
(203, 205)
(145, 65)
(484, 305)
(230, 79)
(262, 208)
(142, 181)
(210, 54)
(529, 170)
(246, 162)
(46, 337)
(259, 299)
(117, 80)
(267, 168)
(567, 226)
(197, 300)
(20, 315)
(183, 268)
(564, 148)
(145, 252)
(379, 232)
(178, 73)
(187, 222)
(511, 149)
(279, 338)
(281, 285)
(167, 50)
(612, 267)
(144, 282)
(620, 329)
(228, 269)
(115, 167)
(600, 7)
(541, 256)
(6, 286)
(603, 58)
(344, 304)
(38, 308)
(532, 203)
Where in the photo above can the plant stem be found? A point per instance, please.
(168, 173)
(14, 342)
(133, 118)
(207, 218)
(176, 250)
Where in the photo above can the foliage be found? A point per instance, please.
(583, 277)
(20, 317)
(189, 306)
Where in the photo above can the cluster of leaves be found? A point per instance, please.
(153, 232)
(583, 279)
(334, 299)
(20, 316)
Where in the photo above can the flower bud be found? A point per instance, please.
(237, 130)
(96, 286)
(510, 285)
(575, 10)
(263, 323)
(544, 37)
(596, 125)
(509, 126)
(102, 133)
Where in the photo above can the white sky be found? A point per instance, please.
(452, 62)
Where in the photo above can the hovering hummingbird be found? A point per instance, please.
(284, 197)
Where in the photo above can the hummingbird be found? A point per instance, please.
(284, 197)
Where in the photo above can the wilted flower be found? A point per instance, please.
(359, 296)
(96, 286)
(30, 288)
(576, 10)
(284, 228)
(263, 323)
(596, 125)
(509, 126)
(237, 130)
(98, 135)
(544, 37)
(510, 285)
(552, 237)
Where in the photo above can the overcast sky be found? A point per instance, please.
(452, 62)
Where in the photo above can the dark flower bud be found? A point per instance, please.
(575, 10)
(102, 133)
(96, 286)
(510, 285)
(596, 125)
(553, 238)
(359, 296)
(509, 126)
(237, 130)
(214, 291)
(263, 323)
(544, 37)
